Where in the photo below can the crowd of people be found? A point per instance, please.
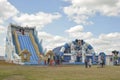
(88, 63)
(100, 62)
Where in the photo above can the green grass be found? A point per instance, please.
(64, 72)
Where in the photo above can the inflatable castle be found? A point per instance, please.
(75, 52)
(23, 45)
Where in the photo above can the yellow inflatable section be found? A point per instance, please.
(50, 55)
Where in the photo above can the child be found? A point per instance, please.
(90, 63)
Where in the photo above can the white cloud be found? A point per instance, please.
(106, 42)
(51, 41)
(2, 29)
(6, 10)
(78, 33)
(39, 19)
(81, 10)
(77, 28)
(110, 36)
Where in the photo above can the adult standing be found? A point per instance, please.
(86, 63)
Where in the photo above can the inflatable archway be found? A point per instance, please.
(102, 55)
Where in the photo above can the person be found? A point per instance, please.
(57, 60)
(102, 62)
(90, 63)
(19, 30)
(86, 63)
(23, 32)
(54, 58)
(99, 61)
(48, 62)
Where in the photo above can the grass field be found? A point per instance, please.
(63, 72)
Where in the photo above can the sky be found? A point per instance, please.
(61, 21)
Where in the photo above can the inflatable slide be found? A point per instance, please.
(23, 45)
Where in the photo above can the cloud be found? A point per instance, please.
(106, 42)
(81, 10)
(77, 32)
(77, 28)
(51, 41)
(39, 19)
(110, 36)
(2, 29)
(6, 10)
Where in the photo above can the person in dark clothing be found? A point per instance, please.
(102, 64)
(48, 62)
(86, 63)
(23, 32)
(19, 30)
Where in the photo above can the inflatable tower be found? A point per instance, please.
(23, 45)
